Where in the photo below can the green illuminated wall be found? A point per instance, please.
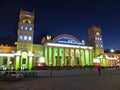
(21, 46)
(104, 62)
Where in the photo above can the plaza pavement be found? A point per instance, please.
(68, 80)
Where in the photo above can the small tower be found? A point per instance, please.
(25, 30)
(95, 39)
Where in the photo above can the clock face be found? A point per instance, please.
(26, 20)
(97, 33)
(48, 37)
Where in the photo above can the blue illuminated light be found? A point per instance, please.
(25, 37)
(68, 40)
(97, 45)
(21, 27)
(30, 28)
(21, 37)
(30, 38)
(95, 38)
(26, 28)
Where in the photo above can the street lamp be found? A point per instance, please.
(51, 69)
(112, 50)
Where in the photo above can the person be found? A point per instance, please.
(99, 70)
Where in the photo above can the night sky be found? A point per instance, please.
(63, 17)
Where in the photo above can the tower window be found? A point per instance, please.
(97, 33)
(25, 37)
(30, 38)
(21, 37)
(97, 45)
(26, 28)
(30, 28)
(21, 27)
(96, 38)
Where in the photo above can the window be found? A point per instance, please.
(95, 38)
(26, 28)
(30, 28)
(21, 27)
(97, 33)
(21, 37)
(97, 45)
(25, 37)
(98, 38)
(30, 38)
(5, 61)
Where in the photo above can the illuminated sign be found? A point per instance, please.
(67, 40)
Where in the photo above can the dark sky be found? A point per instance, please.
(63, 17)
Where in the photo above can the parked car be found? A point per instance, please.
(10, 76)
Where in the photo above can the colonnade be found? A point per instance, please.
(57, 56)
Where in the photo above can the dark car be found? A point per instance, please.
(10, 76)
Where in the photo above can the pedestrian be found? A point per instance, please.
(99, 70)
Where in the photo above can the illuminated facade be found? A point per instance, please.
(63, 50)
(67, 50)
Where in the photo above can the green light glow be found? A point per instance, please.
(30, 63)
(82, 57)
(61, 51)
(46, 55)
(87, 57)
(72, 57)
(104, 63)
(78, 60)
(17, 63)
(50, 55)
(91, 58)
(67, 57)
(56, 61)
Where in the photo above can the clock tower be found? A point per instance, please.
(25, 30)
(95, 39)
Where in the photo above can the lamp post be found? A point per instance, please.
(51, 69)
